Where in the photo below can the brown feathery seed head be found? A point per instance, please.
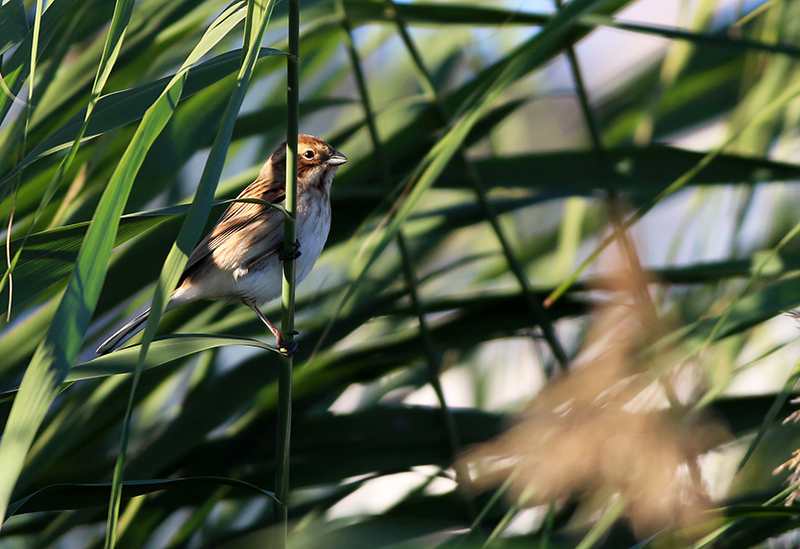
(600, 432)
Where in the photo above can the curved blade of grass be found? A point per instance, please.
(257, 16)
(61, 497)
(162, 351)
(120, 108)
(55, 355)
(143, 43)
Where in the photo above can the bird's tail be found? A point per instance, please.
(124, 334)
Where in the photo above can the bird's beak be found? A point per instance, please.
(337, 158)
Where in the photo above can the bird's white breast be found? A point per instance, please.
(263, 283)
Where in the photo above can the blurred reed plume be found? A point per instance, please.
(793, 464)
(611, 429)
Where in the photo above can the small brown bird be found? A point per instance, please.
(240, 260)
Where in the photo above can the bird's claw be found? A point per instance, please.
(292, 256)
(287, 349)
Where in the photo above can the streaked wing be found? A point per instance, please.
(237, 217)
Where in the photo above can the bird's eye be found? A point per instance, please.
(309, 154)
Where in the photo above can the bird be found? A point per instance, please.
(240, 260)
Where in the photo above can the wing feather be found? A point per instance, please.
(237, 218)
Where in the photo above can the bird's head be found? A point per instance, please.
(316, 162)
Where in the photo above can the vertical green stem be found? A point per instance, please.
(293, 114)
(287, 302)
(284, 436)
(434, 363)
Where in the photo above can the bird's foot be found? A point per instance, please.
(287, 349)
(292, 256)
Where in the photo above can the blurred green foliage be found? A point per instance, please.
(501, 146)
